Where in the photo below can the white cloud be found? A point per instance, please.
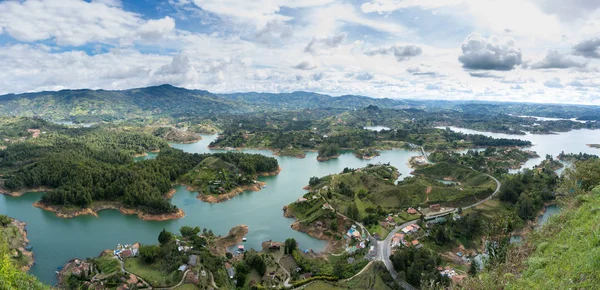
(154, 30)
(492, 53)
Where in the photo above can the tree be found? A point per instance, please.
(473, 268)
(188, 232)
(289, 246)
(4, 220)
(149, 253)
(352, 211)
(314, 181)
(164, 237)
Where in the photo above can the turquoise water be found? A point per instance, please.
(550, 211)
(571, 142)
(56, 240)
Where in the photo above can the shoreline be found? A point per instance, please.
(323, 159)
(272, 173)
(21, 192)
(171, 192)
(22, 248)
(61, 213)
(211, 198)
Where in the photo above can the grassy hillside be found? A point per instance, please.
(564, 253)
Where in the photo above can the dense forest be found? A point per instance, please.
(86, 165)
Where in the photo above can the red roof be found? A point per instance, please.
(415, 242)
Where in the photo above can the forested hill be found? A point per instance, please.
(165, 101)
(101, 105)
(309, 100)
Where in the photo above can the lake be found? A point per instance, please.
(570, 142)
(55, 240)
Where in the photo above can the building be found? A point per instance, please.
(302, 199)
(411, 210)
(230, 270)
(435, 207)
(193, 260)
(408, 229)
(182, 268)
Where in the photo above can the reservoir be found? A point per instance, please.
(570, 142)
(55, 240)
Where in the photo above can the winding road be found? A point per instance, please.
(384, 247)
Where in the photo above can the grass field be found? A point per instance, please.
(186, 287)
(370, 279)
(151, 273)
(108, 264)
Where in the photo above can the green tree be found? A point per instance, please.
(164, 237)
(473, 268)
(149, 253)
(289, 246)
(188, 232)
(4, 220)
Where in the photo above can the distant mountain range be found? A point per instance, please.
(169, 101)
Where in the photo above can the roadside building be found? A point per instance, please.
(230, 270)
(435, 207)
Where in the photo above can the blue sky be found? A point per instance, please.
(511, 50)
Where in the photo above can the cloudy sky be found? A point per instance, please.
(519, 50)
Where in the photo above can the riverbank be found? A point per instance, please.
(217, 198)
(63, 212)
(23, 191)
(171, 193)
(272, 173)
(234, 237)
(16, 235)
(326, 158)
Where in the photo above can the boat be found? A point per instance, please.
(240, 248)
(244, 239)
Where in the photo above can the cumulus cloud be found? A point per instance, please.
(588, 48)
(364, 76)
(553, 83)
(305, 65)
(318, 76)
(317, 44)
(569, 11)
(400, 52)
(68, 22)
(154, 30)
(484, 75)
(273, 31)
(555, 59)
(492, 53)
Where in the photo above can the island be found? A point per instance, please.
(86, 170)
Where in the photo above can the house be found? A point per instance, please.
(408, 229)
(126, 254)
(327, 206)
(193, 260)
(274, 246)
(182, 268)
(395, 241)
(350, 260)
(319, 224)
(302, 199)
(435, 207)
(230, 270)
(415, 243)
(306, 275)
(411, 210)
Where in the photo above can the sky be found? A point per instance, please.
(545, 51)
